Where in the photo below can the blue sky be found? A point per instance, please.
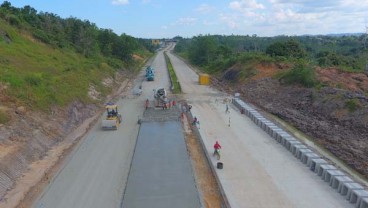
(168, 18)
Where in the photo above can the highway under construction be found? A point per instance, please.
(145, 162)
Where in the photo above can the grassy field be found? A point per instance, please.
(40, 76)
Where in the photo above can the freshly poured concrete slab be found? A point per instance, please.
(161, 174)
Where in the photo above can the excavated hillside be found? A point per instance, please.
(29, 136)
(335, 114)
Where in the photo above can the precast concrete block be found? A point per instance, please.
(300, 152)
(281, 137)
(346, 188)
(289, 144)
(329, 174)
(261, 121)
(277, 132)
(309, 156)
(357, 196)
(265, 125)
(364, 203)
(270, 129)
(257, 119)
(320, 168)
(294, 147)
(312, 164)
(286, 139)
(338, 180)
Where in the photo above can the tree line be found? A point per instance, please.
(347, 52)
(81, 35)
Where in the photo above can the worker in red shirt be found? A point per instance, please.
(217, 147)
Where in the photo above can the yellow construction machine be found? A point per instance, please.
(113, 118)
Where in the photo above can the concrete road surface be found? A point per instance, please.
(96, 173)
(258, 172)
(161, 173)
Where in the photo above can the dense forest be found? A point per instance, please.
(46, 60)
(215, 53)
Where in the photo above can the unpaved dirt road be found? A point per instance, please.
(96, 173)
(258, 172)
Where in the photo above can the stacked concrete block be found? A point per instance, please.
(309, 156)
(261, 121)
(364, 203)
(357, 196)
(346, 188)
(295, 146)
(285, 140)
(328, 175)
(276, 132)
(289, 144)
(281, 137)
(313, 163)
(338, 180)
(320, 169)
(300, 152)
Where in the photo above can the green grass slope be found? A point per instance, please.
(40, 76)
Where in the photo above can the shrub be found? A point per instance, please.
(300, 74)
(352, 105)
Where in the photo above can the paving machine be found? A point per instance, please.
(113, 118)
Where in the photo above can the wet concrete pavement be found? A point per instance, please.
(161, 174)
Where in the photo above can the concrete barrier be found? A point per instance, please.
(300, 152)
(296, 146)
(290, 143)
(364, 203)
(312, 164)
(309, 156)
(357, 196)
(336, 181)
(330, 174)
(354, 192)
(346, 188)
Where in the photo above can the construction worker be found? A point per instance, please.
(147, 104)
(195, 120)
(216, 147)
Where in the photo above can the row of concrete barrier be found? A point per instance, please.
(354, 192)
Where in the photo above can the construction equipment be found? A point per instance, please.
(160, 96)
(150, 74)
(113, 118)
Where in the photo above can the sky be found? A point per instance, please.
(188, 18)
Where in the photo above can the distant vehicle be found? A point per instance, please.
(113, 118)
(150, 74)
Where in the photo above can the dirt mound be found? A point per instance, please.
(356, 82)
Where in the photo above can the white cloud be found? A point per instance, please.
(186, 21)
(120, 2)
(205, 8)
(146, 1)
(229, 20)
(164, 27)
(245, 5)
(208, 23)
